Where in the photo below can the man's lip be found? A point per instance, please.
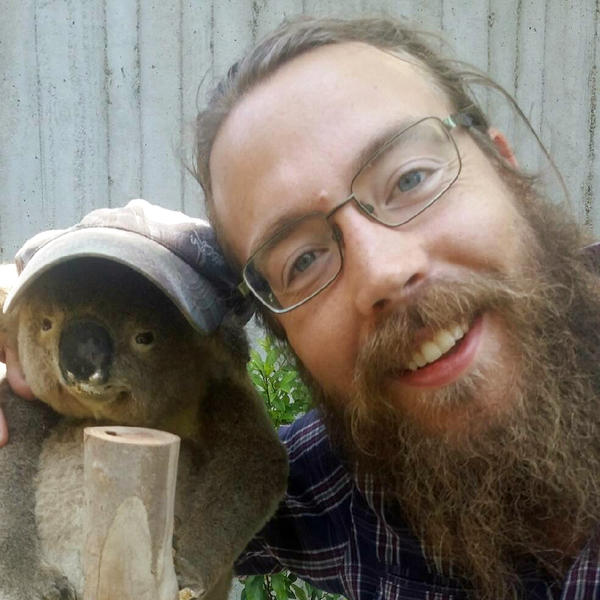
(451, 365)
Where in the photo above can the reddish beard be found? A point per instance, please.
(460, 406)
(513, 486)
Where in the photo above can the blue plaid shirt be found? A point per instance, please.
(339, 536)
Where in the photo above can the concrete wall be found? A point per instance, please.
(97, 96)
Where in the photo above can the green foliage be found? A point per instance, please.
(281, 586)
(286, 398)
(277, 381)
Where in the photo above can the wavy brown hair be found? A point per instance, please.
(301, 35)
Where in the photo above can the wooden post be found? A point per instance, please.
(129, 475)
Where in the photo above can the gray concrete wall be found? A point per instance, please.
(97, 95)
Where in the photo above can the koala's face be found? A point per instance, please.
(98, 340)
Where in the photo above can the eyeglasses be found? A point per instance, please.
(403, 178)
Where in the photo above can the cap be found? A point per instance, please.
(177, 253)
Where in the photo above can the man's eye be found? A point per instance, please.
(410, 180)
(301, 270)
(304, 261)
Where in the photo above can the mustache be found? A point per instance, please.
(441, 304)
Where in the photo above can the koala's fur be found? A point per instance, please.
(162, 374)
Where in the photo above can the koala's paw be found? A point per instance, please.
(193, 588)
(189, 594)
(56, 587)
(187, 578)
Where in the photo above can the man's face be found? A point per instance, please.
(486, 448)
(293, 145)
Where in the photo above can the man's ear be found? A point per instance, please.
(503, 146)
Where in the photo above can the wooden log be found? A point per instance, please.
(129, 475)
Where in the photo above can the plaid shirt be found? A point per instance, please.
(339, 536)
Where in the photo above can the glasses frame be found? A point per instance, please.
(451, 122)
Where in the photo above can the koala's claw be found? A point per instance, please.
(189, 594)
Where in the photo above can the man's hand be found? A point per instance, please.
(16, 380)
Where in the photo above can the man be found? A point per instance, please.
(444, 314)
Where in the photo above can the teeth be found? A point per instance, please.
(419, 359)
(445, 340)
(431, 350)
(458, 331)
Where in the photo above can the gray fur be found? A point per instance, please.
(232, 471)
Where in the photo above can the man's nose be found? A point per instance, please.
(384, 265)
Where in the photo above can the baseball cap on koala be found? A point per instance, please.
(177, 253)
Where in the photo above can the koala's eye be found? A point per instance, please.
(46, 324)
(145, 338)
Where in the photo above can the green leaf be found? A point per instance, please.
(255, 588)
(270, 360)
(258, 381)
(300, 593)
(255, 357)
(278, 383)
(278, 582)
(288, 378)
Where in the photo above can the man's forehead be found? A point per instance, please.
(328, 71)
(324, 107)
(317, 80)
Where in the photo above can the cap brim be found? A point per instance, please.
(193, 295)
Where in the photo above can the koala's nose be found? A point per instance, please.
(85, 352)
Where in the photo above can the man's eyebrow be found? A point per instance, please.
(274, 227)
(373, 145)
(379, 140)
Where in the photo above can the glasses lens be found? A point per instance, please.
(409, 173)
(296, 264)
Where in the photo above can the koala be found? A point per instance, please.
(101, 344)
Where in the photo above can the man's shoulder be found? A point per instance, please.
(312, 457)
(306, 437)
(306, 431)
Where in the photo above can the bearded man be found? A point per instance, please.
(444, 313)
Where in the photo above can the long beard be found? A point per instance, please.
(516, 484)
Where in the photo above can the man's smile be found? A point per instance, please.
(432, 349)
(443, 358)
